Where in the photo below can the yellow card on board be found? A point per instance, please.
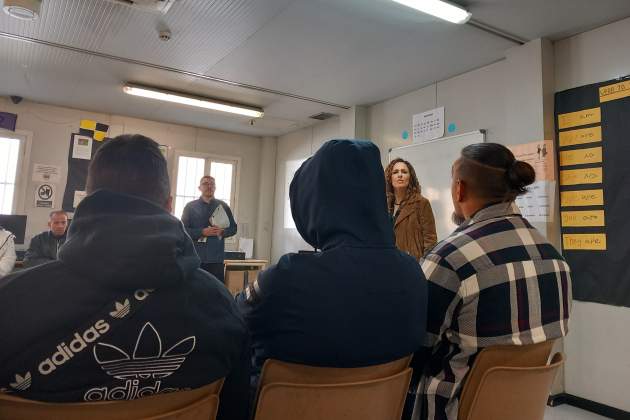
(582, 198)
(580, 136)
(584, 241)
(583, 218)
(581, 176)
(616, 91)
(581, 156)
(577, 118)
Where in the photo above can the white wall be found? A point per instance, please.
(52, 126)
(292, 147)
(598, 347)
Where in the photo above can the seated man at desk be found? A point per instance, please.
(358, 302)
(45, 246)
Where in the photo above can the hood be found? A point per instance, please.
(338, 197)
(128, 242)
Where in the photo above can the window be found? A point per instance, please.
(190, 169)
(9, 158)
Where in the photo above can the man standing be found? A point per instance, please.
(495, 281)
(45, 246)
(129, 313)
(200, 220)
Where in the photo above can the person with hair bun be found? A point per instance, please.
(414, 224)
(495, 280)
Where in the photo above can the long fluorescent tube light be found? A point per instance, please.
(439, 8)
(179, 98)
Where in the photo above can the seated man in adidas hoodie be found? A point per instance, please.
(359, 301)
(129, 313)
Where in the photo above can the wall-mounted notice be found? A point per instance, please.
(82, 147)
(584, 241)
(581, 156)
(78, 197)
(583, 218)
(540, 155)
(537, 203)
(614, 91)
(581, 176)
(581, 136)
(45, 195)
(46, 173)
(581, 198)
(428, 125)
(578, 118)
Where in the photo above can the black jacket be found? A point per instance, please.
(129, 314)
(358, 302)
(43, 248)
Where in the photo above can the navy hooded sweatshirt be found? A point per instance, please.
(358, 302)
(125, 313)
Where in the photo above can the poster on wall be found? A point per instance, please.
(592, 126)
(537, 203)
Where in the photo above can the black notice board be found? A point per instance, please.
(593, 144)
(77, 172)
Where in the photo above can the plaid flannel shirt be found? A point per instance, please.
(496, 280)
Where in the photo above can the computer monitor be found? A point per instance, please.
(16, 224)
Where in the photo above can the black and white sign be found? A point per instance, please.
(45, 195)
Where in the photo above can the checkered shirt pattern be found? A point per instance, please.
(495, 281)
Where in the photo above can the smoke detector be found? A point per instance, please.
(22, 9)
(155, 6)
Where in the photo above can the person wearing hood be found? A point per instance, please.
(44, 247)
(130, 313)
(357, 302)
(7, 252)
(414, 224)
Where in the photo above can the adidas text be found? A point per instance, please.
(79, 342)
(130, 391)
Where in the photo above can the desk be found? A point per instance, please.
(233, 268)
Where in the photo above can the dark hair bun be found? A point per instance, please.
(519, 175)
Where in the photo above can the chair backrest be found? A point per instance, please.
(293, 391)
(517, 393)
(196, 404)
(529, 355)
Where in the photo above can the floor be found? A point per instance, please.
(567, 412)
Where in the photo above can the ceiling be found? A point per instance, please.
(339, 52)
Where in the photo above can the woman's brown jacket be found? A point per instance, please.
(415, 226)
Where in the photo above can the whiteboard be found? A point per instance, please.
(432, 162)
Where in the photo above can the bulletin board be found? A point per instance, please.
(593, 153)
(80, 153)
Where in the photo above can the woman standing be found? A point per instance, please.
(414, 225)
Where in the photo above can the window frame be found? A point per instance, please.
(208, 157)
(22, 168)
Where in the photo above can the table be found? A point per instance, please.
(244, 266)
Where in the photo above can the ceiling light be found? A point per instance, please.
(439, 8)
(179, 98)
(22, 9)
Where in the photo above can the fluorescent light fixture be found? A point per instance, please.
(179, 98)
(439, 8)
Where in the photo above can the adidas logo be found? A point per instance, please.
(122, 309)
(147, 360)
(21, 382)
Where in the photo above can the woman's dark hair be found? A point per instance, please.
(130, 164)
(412, 188)
(493, 173)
